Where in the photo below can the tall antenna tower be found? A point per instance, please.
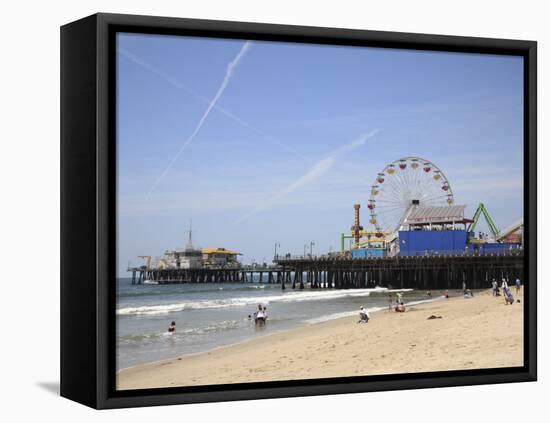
(190, 232)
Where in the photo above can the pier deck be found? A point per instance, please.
(205, 275)
(421, 272)
(339, 272)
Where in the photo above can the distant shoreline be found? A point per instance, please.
(469, 335)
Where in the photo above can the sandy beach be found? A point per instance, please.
(480, 332)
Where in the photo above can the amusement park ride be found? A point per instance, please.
(413, 194)
(492, 227)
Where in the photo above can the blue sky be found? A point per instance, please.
(297, 136)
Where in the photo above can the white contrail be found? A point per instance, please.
(138, 60)
(228, 75)
(177, 83)
(318, 170)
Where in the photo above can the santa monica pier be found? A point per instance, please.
(416, 236)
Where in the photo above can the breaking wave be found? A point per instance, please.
(159, 309)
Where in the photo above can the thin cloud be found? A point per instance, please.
(178, 84)
(228, 75)
(318, 170)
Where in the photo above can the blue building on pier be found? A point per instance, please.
(434, 231)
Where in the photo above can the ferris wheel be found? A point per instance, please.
(403, 185)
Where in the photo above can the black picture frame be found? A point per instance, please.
(88, 209)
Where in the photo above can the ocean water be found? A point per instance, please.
(210, 315)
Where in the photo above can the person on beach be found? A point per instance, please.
(400, 308)
(504, 284)
(447, 293)
(495, 287)
(400, 298)
(518, 285)
(261, 315)
(390, 302)
(363, 315)
(508, 297)
(429, 294)
(172, 327)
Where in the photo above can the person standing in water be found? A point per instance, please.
(172, 327)
(261, 315)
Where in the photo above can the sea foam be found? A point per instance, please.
(293, 296)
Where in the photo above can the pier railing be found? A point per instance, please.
(424, 253)
(463, 253)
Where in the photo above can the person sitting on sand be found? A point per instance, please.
(508, 297)
(172, 327)
(400, 308)
(363, 315)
